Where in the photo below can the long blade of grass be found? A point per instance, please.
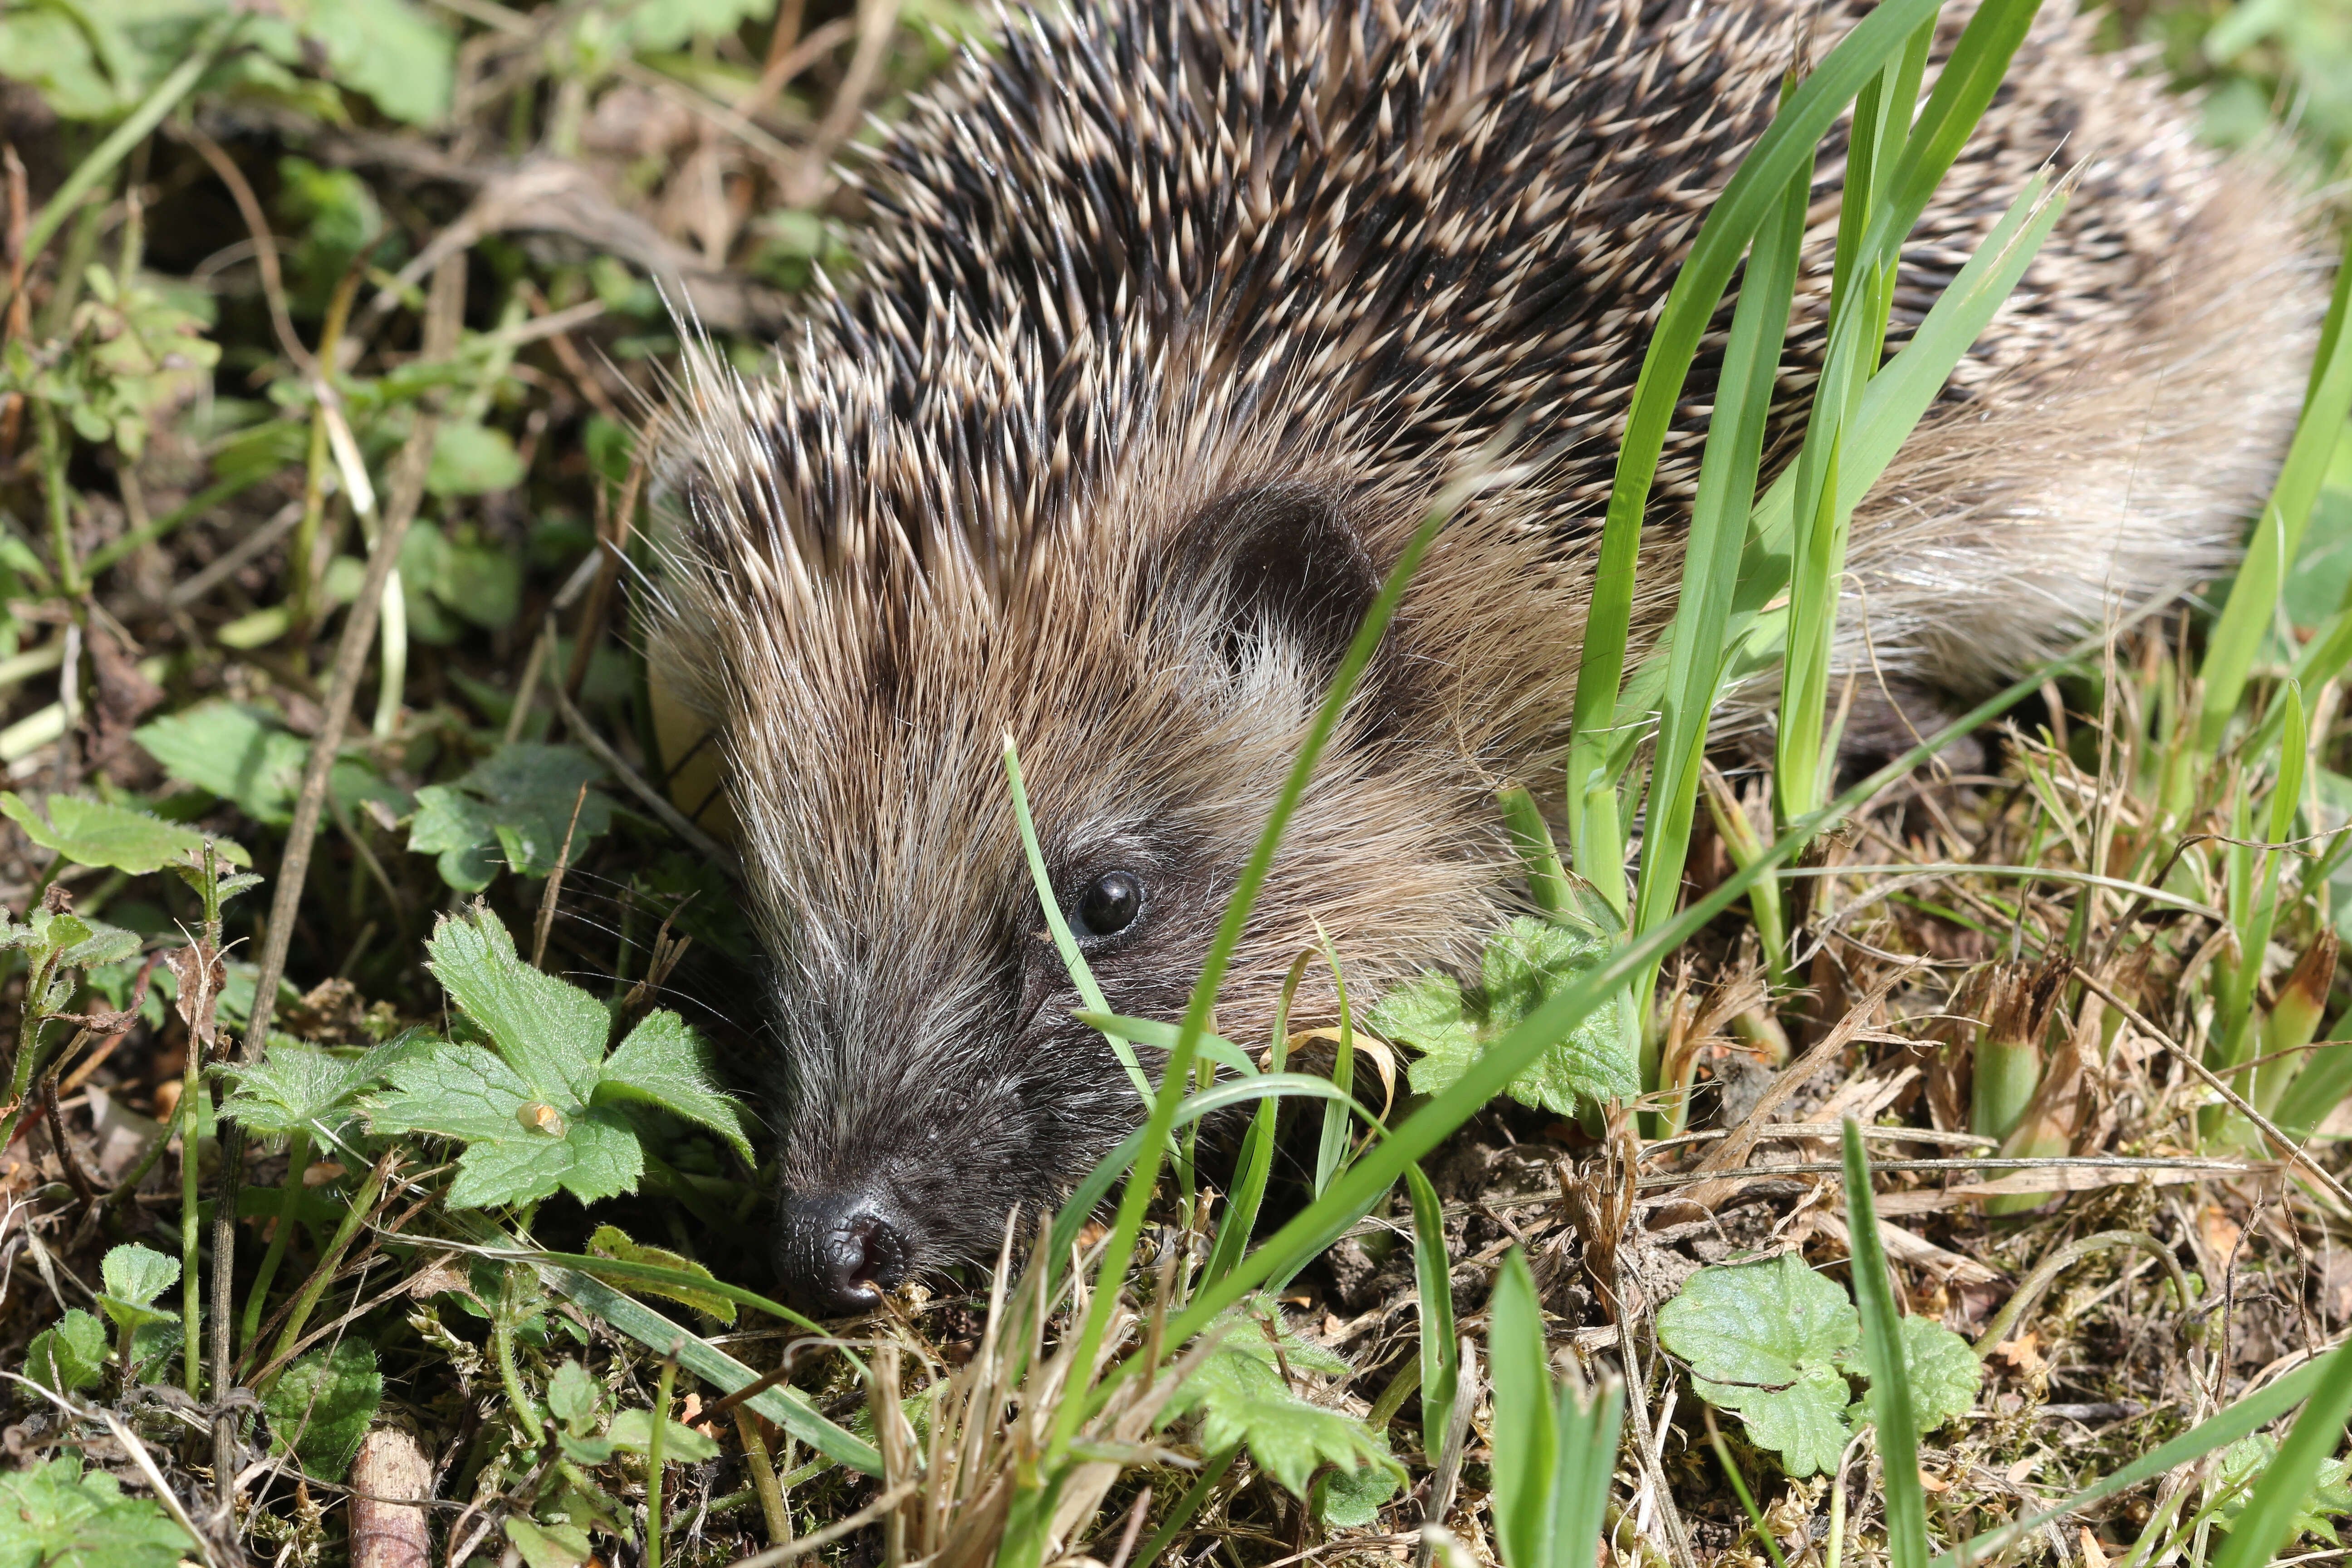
(2287, 1480)
(1256, 1163)
(1728, 480)
(1064, 943)
(2237, 638)
(1433, 1279)
(1121, 1248)
(1890, 1373)
(1750, 198)
(1587, 1460)
(1331, 1149)
(2219, 1430)
(1370, 1177)
(1527, 1422)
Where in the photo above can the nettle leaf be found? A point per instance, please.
(321, 1405)
(510, 810)
(612, 1241)
(95, 833)
(664, 1064)
(1525, 962)
(536, 1112)
(134, 1276)
(53, 1516)
(1944, 1373)
(68, 1356)
(1767, 1340)
(296, 1086)
(1243, 1397)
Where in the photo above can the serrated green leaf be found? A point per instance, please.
(612, 1241)
(296, 1085)
(53, 1516)
(1767, 1341)
(321, 1405)
(1351, 1499)
(664, 1064)
(574, 1399)
(97, 833)
(69, 1355)
(1524, 963)
(511, 809)
(632, 1432)
(552, 1033)
(470, 1094)
(1944, 1369)
(1242, 1397)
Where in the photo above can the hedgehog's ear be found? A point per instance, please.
(1274, 564)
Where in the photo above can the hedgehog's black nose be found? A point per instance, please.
(839, 1254)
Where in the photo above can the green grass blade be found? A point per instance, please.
(1525, 1422)
(1256, 1162)
(2237, 638)
(1331, 1149)
(1120, 1249)
(1064, 941)
(2318, 1088)
(1531, 838)
(1587, 1461)
(2219, 1430)
(2287, 1481)
(1432, 1279)
(1755, 189)
(1890, 1373)
(1727, 481)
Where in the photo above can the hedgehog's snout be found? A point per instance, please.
(839, 1252)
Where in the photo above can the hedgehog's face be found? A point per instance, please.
(934, 1076)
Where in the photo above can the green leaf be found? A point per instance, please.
(1350, 1499)
(298, 1086)
(512, 809)
(612, 1241)
(134, 1276)
(392, 50)
(95, 833)
(321, 1405)
(550, 1032)
(575, 1398)
(68, 1356)
(240, 754)
(470, 459)
(664, 1064)
(514, 1151)
(1441, 1371)
(632, 1432)
(1944, 1369)
(1524, 964)
(2243, 1463)
(549, 1545)
(55, 1517)
(1243, 1397)
(1767, 1340)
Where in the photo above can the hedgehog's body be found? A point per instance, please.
(1173, 322)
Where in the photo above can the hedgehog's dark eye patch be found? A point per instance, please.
(1109, 906)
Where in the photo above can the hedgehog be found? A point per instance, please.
(1172, 319)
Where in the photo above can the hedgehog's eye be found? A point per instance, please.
(1110, 904)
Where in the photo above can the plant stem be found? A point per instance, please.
(363, 1205)
(763, 1476)
(191, 1084)
(297, 1159)
(654, 1464)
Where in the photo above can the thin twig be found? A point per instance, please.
(555, 884)
(831, 1533)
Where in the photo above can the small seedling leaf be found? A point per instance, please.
(98, 832)
(549, 1545)
(574, 1399)
(133, 1277)
(2242, 1464)
(1944, 1368)
(57, 1517)
(1525, 963)
(632, 1433)
(69, 1355)
(296, 1085)
(321, 1405)
(1767, 1340)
